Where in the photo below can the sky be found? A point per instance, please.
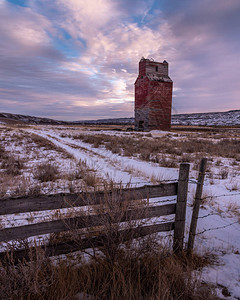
(78, 59)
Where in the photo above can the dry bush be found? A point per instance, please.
(91, 179)
(145, 154)
(168, 163)
(235, 186)
(83, 172)
(75, 175)
(80, 170)
(46, 172)
(234, 208)
(12, 165)
(223, 173)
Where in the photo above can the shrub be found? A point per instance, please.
(46, 172)
(168, 163)
(145, 154)
(90, 179)
(12, 165)
(223, 173)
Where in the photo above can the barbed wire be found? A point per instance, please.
(144, 182)
(216, 228)
(208, 215)
(141, 182)
(218, 196)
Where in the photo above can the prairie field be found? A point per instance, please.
(37, 160)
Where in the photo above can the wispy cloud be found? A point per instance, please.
(79, 60)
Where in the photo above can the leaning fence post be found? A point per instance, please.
(196, 206)
(180, 217)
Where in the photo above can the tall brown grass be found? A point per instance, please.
(118, 268)
(151, 275)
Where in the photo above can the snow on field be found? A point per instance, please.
(111, 166)
(218, 225)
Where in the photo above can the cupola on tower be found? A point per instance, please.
(153, 96)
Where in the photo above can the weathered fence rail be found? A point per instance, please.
(41, 203)
(66, 224)
(58, 201)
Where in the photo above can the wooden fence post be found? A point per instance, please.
(179, 226)
(196, 206)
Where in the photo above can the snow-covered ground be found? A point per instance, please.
(219, 223)
(228, 118)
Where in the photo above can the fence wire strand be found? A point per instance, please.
(216, 228)
(208, 215)
(218, 196)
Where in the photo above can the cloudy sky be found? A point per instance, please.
(78, 59)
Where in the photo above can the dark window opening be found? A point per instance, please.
(141, 125)
(156, 69)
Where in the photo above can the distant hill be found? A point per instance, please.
(23, 119)
(229, 118)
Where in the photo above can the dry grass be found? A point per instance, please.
(168, 163)
(233, 185)
(234, 209)
(91, 179)
(148, 148)
(12, 165)
(46, 172)
(157, 178)
(223, 173)
(118, 269)
(59, 172)
(149, 276)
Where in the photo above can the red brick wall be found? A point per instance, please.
(160, 105)
(155, 98)
(141, 91)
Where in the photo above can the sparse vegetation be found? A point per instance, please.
(148, 148)
(168, 163)
(223, 173)
(46, 172)
(11, 165)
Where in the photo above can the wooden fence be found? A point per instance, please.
(59, 201)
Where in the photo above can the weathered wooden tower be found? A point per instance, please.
(153, 96)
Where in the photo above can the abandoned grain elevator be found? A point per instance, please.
(153, 96)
